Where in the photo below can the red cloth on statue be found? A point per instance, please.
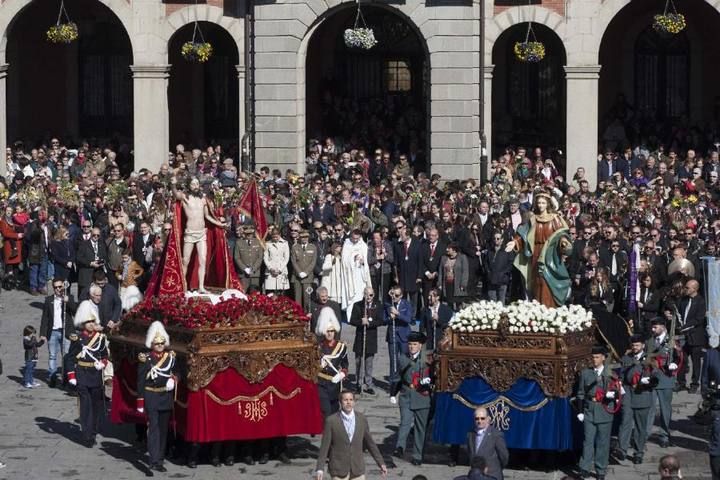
(167, 279)
(230, 407)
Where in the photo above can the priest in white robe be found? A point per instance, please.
(356, 273)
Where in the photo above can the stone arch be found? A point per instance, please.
(412, 19)
(203, 13)
(12, 9)
(517, 15)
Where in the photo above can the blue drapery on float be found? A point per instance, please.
(527, 418)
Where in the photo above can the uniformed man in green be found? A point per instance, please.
(638, 381)
(598, 392)
(248, 256)
(666, 357)
(415, 387)
(302, 257)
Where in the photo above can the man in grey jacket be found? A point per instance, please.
(345, 434)
(487, 442)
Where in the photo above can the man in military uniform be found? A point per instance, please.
(638, 381)
(366, 317)
(248, 255)
(88, 354)
(333, 362)
(663, 351)
(303, 256)
(415, 388)
(155, 387)
(598, 392)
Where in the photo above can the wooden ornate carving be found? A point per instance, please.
(496, 341)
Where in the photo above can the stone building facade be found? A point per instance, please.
(594, 49)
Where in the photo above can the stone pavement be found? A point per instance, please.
(38, 432)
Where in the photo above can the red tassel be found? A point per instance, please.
(71, 375)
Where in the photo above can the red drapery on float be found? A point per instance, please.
(167, 279)
(230, 407)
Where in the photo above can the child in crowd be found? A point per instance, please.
(31, 344)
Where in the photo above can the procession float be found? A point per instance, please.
(519, 361)
(248, 363)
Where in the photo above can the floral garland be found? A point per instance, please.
(194, 313)
(521, 317)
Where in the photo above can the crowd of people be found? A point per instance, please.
(371, 235)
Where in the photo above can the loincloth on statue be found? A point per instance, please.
(195, 236)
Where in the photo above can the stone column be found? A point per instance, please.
(3, 118)
(582, 120)
(150, 115)
(487, 110)
(241, 101)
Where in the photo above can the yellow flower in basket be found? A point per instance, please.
(197, 51)
(63, 33)
(529, 51)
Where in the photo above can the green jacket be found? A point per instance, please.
(411, 373)
(638, 395)
(588, 385)
(664, 355)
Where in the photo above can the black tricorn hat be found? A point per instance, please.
(658, 321)
(417, 337)
(599, 350)
(637, 338)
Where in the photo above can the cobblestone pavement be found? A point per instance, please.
(39, 432)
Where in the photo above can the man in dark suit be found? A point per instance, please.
(478, 470)
(142, 246)
(322, 211)
(434, 319)
(344, 436)
(408, 264)
(431, 253)
(398, 317)
(607, 166)
(692, 312)
(487, 442)
(366, 316)
(56, 326)
(498, 268)
(91, 256)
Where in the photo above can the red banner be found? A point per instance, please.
(231, 408)
(251, 205)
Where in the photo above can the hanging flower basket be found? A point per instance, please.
(197, 51)
(671, 23)
(63, 31)
(529, 51)
(360, 36)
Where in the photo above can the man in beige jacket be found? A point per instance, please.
(343, 438)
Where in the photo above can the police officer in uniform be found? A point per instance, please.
(333, 362)
(415, 388)
(88, 356)
(666, 358)
(638, 380)
(248, 256)
(303, 256)
(599, 394)
(156, 387)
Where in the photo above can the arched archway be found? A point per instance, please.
(203, 97)
(79, 90)
(651, 83)
(369, 98)
(528, 99)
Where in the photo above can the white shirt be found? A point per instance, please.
(599, 370)
(349, 423)
(57, 313)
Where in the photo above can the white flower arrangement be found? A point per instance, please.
(522, 317)
(359, 37)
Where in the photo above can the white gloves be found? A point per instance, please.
(610, 395)
(302, 275)
(645, 380)
(248, 270)
(425, 381)
(141, 410)
(338, 377)
(673, 366)
(170, 385)
(393, 400)
(99, 365)
(72, 382)
(581, 417)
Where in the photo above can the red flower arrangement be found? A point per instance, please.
(194, 313)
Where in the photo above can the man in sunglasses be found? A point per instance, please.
(485, 441)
